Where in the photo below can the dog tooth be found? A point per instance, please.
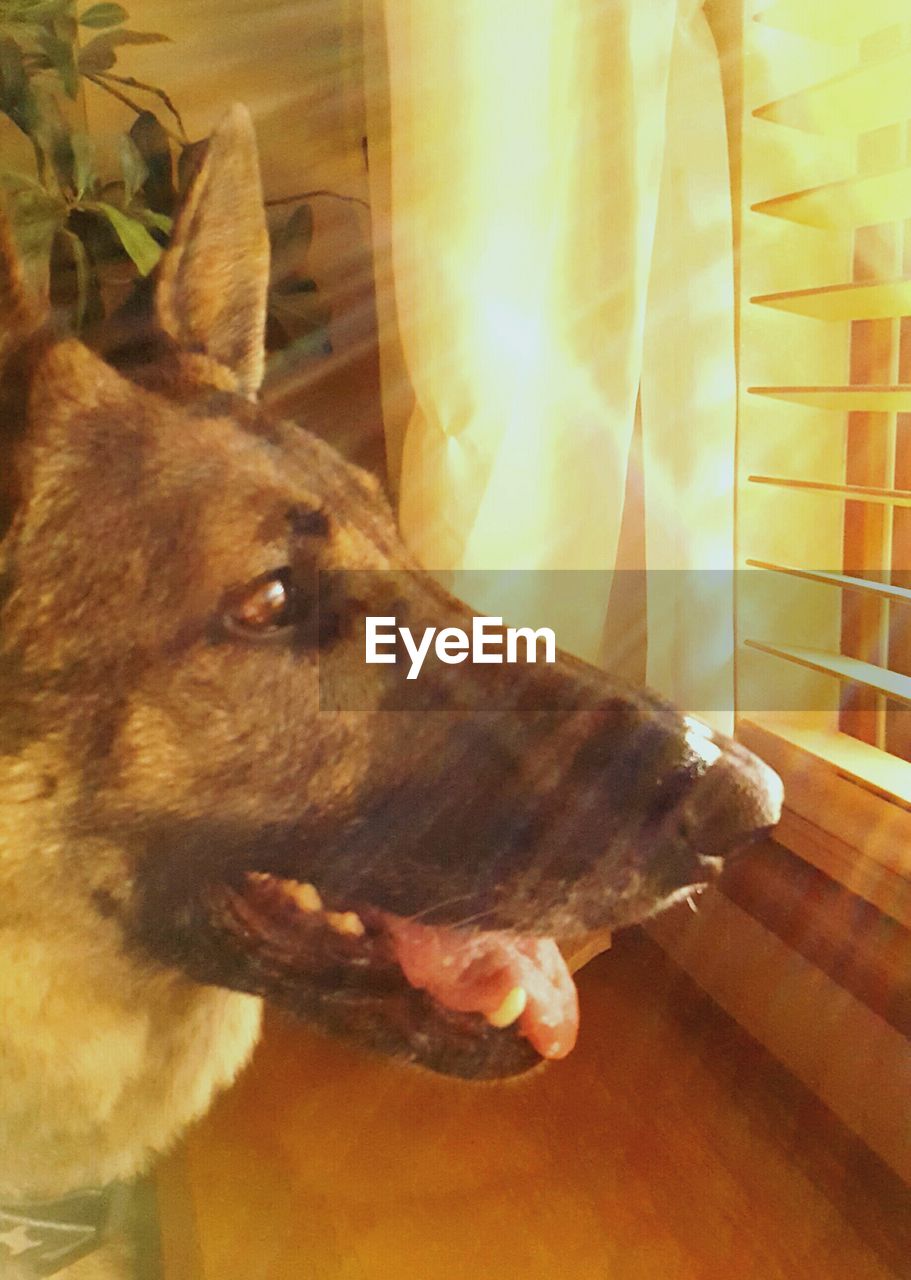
(347, 922)
(512, 1008)
(304, 896)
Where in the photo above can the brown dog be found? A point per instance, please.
(207, 796)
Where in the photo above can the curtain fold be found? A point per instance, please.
(689, 393)
(552, 219)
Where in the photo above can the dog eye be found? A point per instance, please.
(308, 522)
(263, 608)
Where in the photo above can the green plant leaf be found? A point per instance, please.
(51, 137)
(297, 232)
(132, 166)
(17, 99)
(134, 237)
(290, 243)
(158, 221)
(85, 176)
(283, 362)
(104, 15)
(83, 269)
(36, 217)
(298, 307)
(65, 25)
(300, 225)
(61, 58)
(32, 11)
(153, 145)
(100, 53)
(13, 76)
(14, 182)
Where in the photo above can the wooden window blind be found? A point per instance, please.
(825, 453)
(824, 437)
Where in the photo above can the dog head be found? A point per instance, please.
(185, 587)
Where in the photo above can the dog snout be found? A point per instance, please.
(735, 802)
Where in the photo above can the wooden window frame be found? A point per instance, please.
(848, 802)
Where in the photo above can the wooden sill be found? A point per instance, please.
(667, 1146)
(847, 809)
(850, 941)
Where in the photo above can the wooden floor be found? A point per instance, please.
(668, 1146)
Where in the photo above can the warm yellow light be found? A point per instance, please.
(559, 215)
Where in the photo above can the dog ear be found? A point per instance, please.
(64, 400)
(73, 400)
(71, 383)
(214, 275)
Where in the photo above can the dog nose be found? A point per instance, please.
(736, 801)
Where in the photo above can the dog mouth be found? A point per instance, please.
(464, 1001)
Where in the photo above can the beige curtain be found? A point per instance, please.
(553, 241)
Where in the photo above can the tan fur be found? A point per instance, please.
(81, 1109)
(156, 767)
(105, 1057)
(76, 1110)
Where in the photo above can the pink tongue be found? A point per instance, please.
(474, 973)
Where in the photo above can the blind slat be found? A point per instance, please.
(850, 670)
(857, 399)
(877, 300)
(844, 581)
(868, 97)
(853, 492)
(853, 202)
